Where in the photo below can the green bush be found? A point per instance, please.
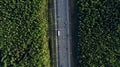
(23, 33)
(98, 33)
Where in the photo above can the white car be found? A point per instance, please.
(58, 33)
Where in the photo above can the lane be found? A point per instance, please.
(62, 41)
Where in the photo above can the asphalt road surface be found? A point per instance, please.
(62, 37)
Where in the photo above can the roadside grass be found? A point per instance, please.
(51, 33)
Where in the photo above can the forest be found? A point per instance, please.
(97, 33)
(23, 33)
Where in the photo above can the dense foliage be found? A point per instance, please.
(98, 33)
(23, 33)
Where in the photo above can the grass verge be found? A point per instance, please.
(51, 33)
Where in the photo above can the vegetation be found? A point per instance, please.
(23, 33)
(51, 34)
(98, 33)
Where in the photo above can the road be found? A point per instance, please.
(63, 39)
